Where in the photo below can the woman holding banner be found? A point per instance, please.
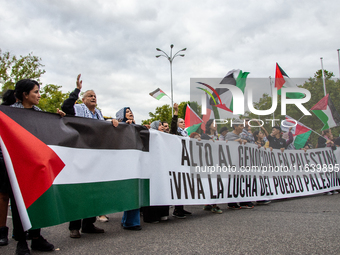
(5, 187)
(28, 96)
(178, 128)
(211, 134)
(131, 218)
(154, 214)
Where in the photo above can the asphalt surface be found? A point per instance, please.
(307, 225)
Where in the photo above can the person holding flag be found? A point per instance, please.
(154, 214)
(326, 139)
(27, 93)
(178, 128)
(8, 98)
(211, 134)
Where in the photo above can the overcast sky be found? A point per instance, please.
(113, 43)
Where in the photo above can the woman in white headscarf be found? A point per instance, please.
(154, 214)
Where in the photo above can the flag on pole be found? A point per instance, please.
(326, 112)
(209, 114)
(59, 153)
(192, 120)
(283, 81)
(158, 94)
(234, 77)
(300, 132)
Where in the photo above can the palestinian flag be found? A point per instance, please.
(283, 81)
(234, 77)
(326, 112)
(61, 169)
(192, 120)
(210, 114)
(158, 94)
(300, 132)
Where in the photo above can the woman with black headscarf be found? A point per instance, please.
(131, 218)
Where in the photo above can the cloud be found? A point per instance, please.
(113, 43)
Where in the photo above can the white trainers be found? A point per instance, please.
(103, 218)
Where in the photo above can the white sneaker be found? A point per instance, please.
(334, 192)
(164, 218)
(102, 218)
(328, 193)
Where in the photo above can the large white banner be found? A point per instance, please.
(186, 171)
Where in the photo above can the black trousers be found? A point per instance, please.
(84, 223)
(154, 213)
(18, 231)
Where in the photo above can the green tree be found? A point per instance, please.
(328, 75)
(51, 98)
(163, 113)
(13, 69)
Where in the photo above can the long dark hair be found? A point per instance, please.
(8, 97)
(24, 86)
(207, 126)
(256, 135)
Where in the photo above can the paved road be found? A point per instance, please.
(308, 225)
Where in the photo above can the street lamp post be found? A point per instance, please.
(171, 58)
(339, 61)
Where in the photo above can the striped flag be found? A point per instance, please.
(326, 112)
(283, 81)
(300, 132)
(192, 120)
(158, 94)
(55, 170)
(209, 113)
(234, 77)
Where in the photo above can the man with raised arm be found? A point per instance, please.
(87, 110)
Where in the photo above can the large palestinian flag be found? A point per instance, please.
(61, 169)
(192, 120)
(234, 77)
(283, 81)
(300, 132)
(326, 112)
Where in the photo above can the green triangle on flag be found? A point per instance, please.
(193, 128)
(300, 140)
(326, 112)
(283, 81)
(240, 83)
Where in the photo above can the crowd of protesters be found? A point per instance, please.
(26, 95)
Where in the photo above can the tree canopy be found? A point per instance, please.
(13, 69)
(163, 113)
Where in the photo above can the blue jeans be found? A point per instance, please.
(131, 218)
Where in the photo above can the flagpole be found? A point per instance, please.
(316, 133)
(339, 61)
(303, 115)
(171, 58)
(271, 92)
(323, 77)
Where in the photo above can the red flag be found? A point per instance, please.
(191, 118)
